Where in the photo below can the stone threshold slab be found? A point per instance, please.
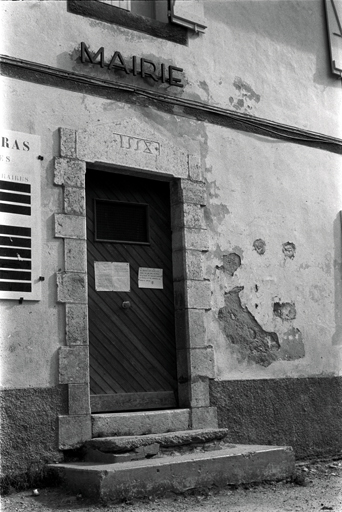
(140, 423)
(155, 477)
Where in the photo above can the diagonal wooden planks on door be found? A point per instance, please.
(132, 349)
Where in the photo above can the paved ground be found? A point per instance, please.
(318, 487)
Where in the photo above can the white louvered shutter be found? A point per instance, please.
(188, 13)
(334, 21)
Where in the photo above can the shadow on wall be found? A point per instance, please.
(301, 25)
(278, 20)
(337, 337)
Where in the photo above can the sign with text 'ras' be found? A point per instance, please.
(19, 216)
(133, 66)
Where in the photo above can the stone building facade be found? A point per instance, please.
(234, 109)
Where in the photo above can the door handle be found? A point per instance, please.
(126, 304)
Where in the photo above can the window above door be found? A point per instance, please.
(165, 19)
(153, 9)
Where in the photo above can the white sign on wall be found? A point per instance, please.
(20, 246)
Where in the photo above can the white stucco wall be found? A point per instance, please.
(278, 192)
(257, 187)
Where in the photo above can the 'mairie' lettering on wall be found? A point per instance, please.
(143, 67)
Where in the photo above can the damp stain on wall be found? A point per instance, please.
(215, 216)
(204, 86)
(250, 340)
(245, 98)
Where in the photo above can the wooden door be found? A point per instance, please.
(131, 333)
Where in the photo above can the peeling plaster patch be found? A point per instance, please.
(231, 262)
(259, 246)
(242, 330)
(246, 98)
(292, 346)
(240, 85)
(237, 104)
(285, 310)
(289, 250)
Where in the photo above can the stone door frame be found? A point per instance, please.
(192, 292)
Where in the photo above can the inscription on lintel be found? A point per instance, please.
(137, 144)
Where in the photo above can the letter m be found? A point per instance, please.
(85, 53)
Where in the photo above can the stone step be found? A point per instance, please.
(152, 477)
(125, 448)
(122, 444)
(140, 423)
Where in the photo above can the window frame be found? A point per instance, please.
(127, 2)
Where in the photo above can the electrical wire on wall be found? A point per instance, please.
(259, 125)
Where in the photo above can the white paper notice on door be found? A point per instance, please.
(150, 278)
(112, 276)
